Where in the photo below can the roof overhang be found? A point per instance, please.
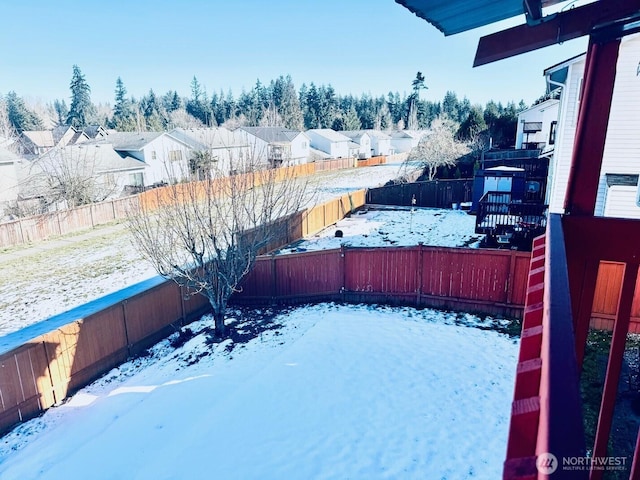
(604, 19)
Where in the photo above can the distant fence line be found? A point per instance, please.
(434, 194)
(42, 227)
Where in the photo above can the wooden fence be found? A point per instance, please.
(68, 351)
(483, 281)
(372, 162)
(86, 342)
(41, 227)
(334, 164)
(434, 194)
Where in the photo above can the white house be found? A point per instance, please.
(333, 143)
(405, 140)
(363, 139)
(618, 194)
(537, 126)
(166, 156)
(380, 143)
(8, 178)
(277, 146)
(98, 167)
(229, 150)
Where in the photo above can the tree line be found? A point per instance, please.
(277, 103)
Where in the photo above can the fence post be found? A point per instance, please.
(419, 270)
(274, 279)
(512, 271)
(343, 272)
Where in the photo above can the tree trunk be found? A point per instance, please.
(220, 327)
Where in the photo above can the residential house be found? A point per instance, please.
(403, 141)
(8, 179)
(537, 125)
(227, 151)
(334, 144)
(96, 171)
(363, 139)
(380, 143)
(277, 146)
(166, 157)
(618, 189)
(38, 142)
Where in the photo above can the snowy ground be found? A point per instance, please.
(327, 392)
(384, 226)
(51, 277)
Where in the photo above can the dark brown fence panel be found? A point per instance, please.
(434, 194)
(308, 275)
(150, 315)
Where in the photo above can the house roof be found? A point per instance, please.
(380, 135)
(208, 138)
(131, 141)
(330, 134)
(96, 157)
(273, 134)
(353, 134)
(456, 16)
(415, 134)
(40, 138)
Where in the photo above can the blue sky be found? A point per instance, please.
(357, 46)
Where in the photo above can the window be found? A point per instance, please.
(136, 179)
(552, 132)
(175, 155)
(153, 155)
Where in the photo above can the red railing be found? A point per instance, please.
(546, 418)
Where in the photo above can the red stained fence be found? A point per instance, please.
(484, 281)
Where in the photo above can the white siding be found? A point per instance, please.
(621, 201)
(622, 148)
(8, 182)
(545, 113)
(566, 133)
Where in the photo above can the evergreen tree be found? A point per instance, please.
(198, 105)
(62, 112)
(286, 100)
(417, 84)
(472, 125)
(19, 116)
(81, 107)
(153, 113)
(451, 106)
(351, 120)
(123, 118)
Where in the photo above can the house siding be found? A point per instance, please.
(566, 133)
(544, 113)
(622, 149)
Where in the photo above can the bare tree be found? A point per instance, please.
(438, 148)
(69, 176)
(206, 235)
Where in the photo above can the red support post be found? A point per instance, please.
(591, 131)
(614, 365)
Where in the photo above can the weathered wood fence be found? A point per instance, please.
(483, 281)
(41, 227)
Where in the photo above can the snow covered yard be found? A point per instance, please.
(378, 226)
(327, 391)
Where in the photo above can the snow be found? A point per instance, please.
(378, 226)
(329, 391)
(48, 278)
